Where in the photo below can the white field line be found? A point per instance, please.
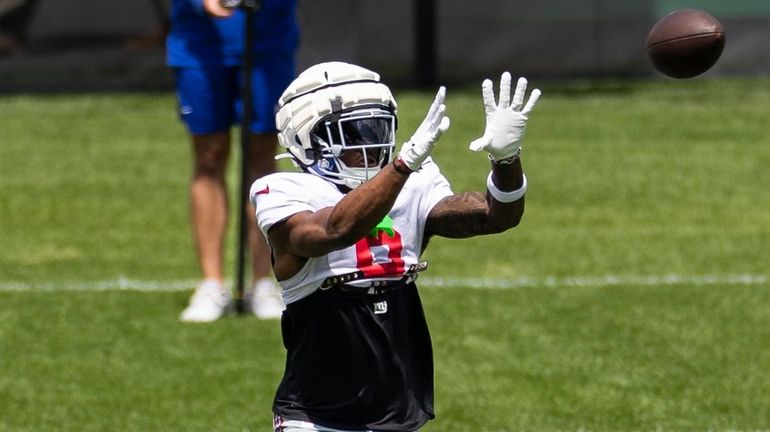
(598, 281)
(126, 284)
(119, 284)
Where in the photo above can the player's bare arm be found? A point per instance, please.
(502, 206)
(312, 234)
(475, 213)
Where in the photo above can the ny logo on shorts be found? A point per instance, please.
(381, 307)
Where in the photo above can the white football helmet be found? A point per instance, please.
(332, 108)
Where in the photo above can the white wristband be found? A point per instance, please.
(506, 197)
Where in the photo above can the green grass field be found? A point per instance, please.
(634, 296)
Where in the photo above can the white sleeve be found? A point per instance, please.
(437, 187)
(276, 198)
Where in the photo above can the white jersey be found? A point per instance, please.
(385, 253)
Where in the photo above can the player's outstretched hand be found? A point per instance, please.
(506, 120)
(419, 146)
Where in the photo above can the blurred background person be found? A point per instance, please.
(205, 46)
(15, 16)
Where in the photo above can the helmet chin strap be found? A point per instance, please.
(286, 155)
(321, 169)
(351, 183)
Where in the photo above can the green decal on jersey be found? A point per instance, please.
(386, 224)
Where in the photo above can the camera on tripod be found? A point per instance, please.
(243, 4)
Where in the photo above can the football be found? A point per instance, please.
(685, 43)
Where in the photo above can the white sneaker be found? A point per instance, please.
(265, 301)
(209, 302)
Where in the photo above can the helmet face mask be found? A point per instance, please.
(353, 146)
(337, 121)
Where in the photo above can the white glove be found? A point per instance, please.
(419, 146)
(506, 122)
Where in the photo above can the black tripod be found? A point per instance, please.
(249, 8)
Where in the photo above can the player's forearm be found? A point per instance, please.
(470, 214)
(364, 207)
(507, 178)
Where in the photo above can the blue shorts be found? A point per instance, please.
(210, 97)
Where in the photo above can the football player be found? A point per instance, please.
(347, 234)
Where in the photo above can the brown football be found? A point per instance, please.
(685, 43)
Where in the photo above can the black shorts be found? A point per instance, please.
(357, 361)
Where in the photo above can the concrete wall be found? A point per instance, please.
(547, 38)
